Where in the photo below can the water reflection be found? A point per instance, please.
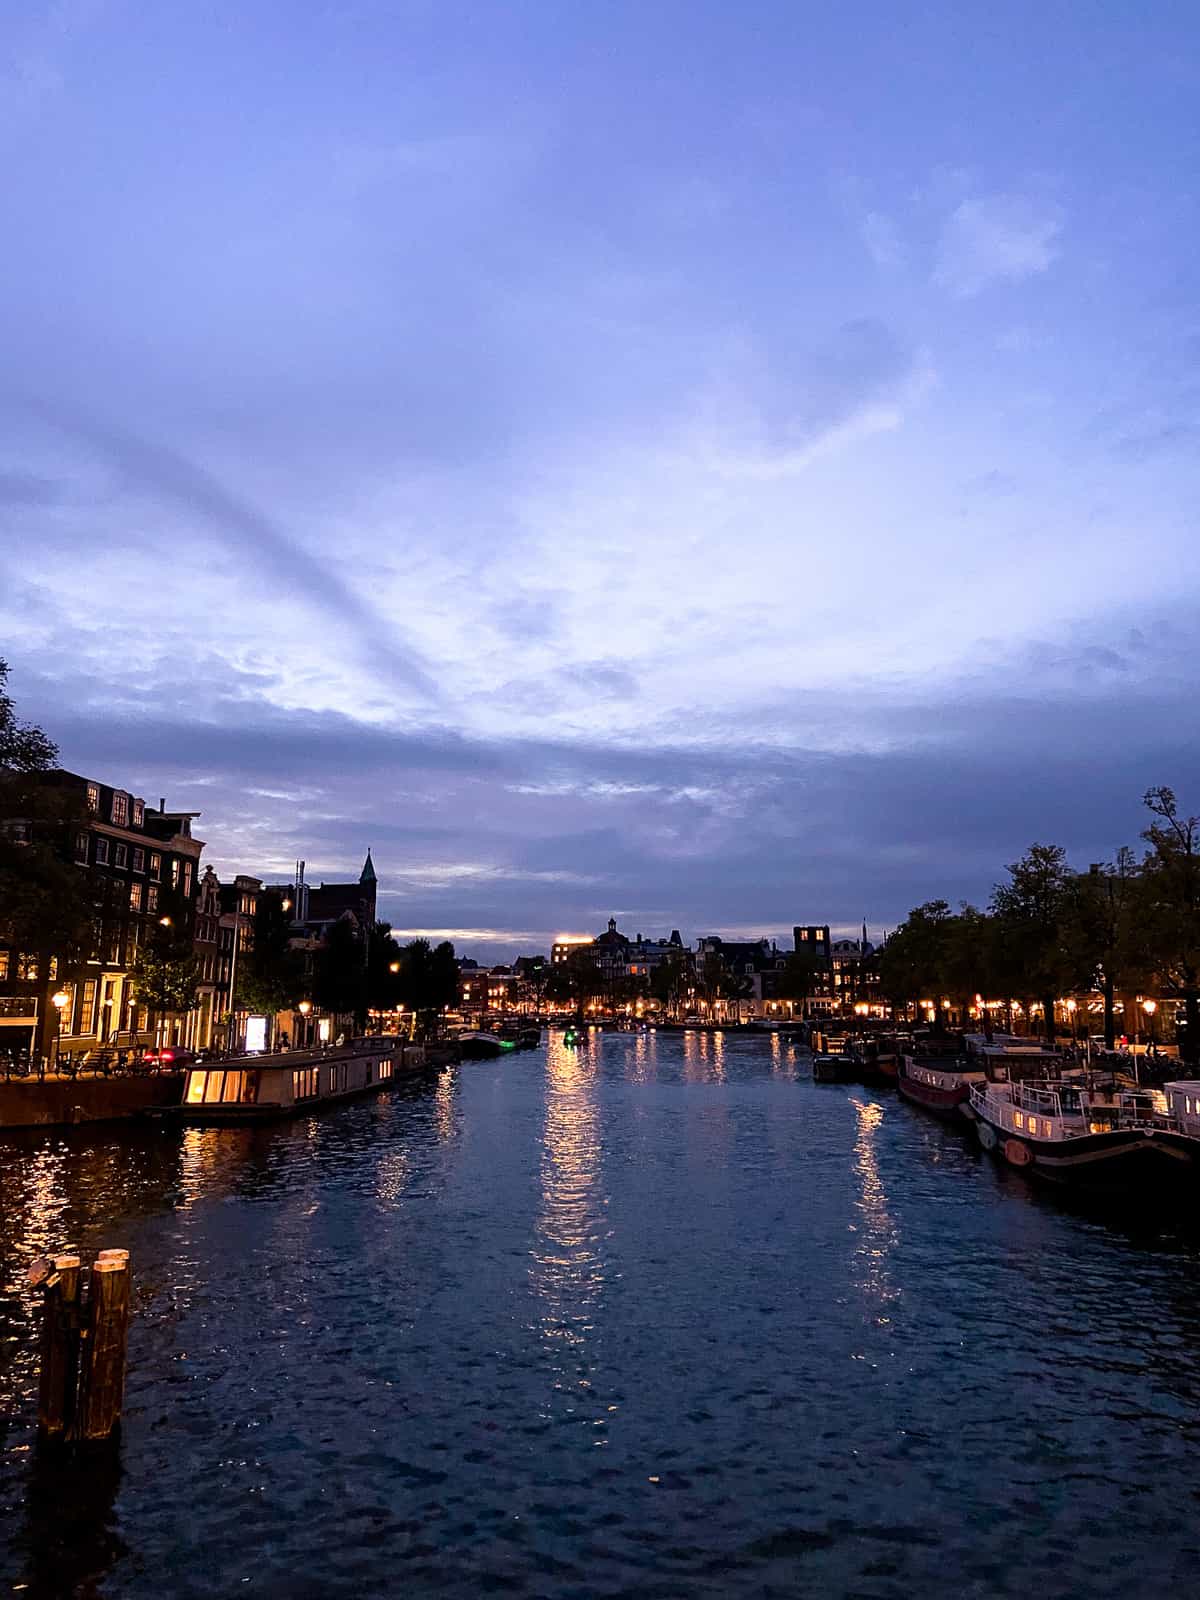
(703, 1057)
(568, 1273)
(877, 1230)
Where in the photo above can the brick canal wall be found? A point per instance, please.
(37, 1105)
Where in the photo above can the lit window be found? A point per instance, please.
(1019, 1118)
(139, 813)
(155, 864)
(187, 880)
(101, 851)
(120, 809)
(93, 797)
(135, 897)
(119, 855)
(138, 860)
(3, 965)
(174, 872)
(152, 897)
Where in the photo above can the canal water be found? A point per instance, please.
(660, 1317)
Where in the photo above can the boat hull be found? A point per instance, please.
(945, 1103)
(1118, 1159)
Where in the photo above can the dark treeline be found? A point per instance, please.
(1049, 932)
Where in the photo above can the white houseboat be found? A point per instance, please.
(1069, 1133)
(253, 1088)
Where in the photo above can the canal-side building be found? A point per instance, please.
(142, 865)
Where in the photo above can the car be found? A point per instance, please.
(169, 1058)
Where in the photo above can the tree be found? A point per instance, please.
(1031, 912)
(913, 962)
(165, 974)
(45, 903)
(1167, 909)
(668, 980)
(270, 973)
(385, 959)
(1101, 932)
(340, 971)
(429, 981)
(798, 978)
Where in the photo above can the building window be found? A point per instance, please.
(85, 1008)
(135, 897)
(119, 855)
(138, 860)
(174, 872)
(120, 809)
(81, 847)
(27, 968)
(101, 851)
(152, 897)
(93, 797)
(139, 813)
(3, 965)
(155, 864)
(187, 880)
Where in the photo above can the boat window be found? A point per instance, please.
(304, 1083)
(1019, 1118)
(214, 1088)
(196, 1082)
(233, 1086)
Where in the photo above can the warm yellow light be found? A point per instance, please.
(1149, 1007)
(1072, 1005)
(61, 1000)
(164, 922)
(305, 1007)
(287, 905)
(926, 1005)
(394, 966)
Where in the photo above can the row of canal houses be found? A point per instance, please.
(144, 866)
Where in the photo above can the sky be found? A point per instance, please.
(720, 466)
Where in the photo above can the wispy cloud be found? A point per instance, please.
(999, 238)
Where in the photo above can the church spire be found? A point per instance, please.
(367, 875)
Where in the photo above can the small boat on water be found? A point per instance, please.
(836, 1069)
(257, 1088)
(480, 1044)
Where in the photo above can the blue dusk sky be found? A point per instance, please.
(720, 465)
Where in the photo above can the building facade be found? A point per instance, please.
(142, 866)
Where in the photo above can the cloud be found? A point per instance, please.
(28, 489)
(999, 238)
(252, 536)
(882, 239)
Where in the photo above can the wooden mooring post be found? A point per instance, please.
(60, 1346)
(82, 1381)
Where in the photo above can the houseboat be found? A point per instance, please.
(1068, 1132)
(1175, 1125)
(255, 1088)
(939, 1083)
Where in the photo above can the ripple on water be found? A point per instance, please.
(655, 1317)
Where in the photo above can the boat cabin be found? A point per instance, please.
(243, 1088)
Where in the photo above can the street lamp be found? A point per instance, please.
(1150, 1007)
(164, 922)
(1072, 1012)
(305, 1010)
(60, 1002)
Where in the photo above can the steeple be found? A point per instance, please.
(367, 875)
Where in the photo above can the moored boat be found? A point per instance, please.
(1066, 1132)
(479, 1045)
(835, 1069)
(938, 1083)
(256, 1088)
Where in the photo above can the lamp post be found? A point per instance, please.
(60, 1002)
(1073, 1013)
(305, 1010)
(1150, 1007)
